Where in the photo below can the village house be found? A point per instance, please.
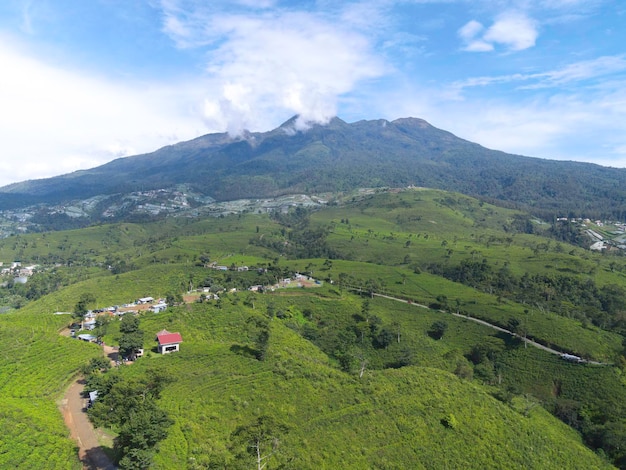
(168, 342)
(160, 307)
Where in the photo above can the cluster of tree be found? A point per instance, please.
(118, 266)
(48, 221)
(130, 405)
(298, 243)
(520, 223)
(16, 294)
(297, 218)
(352, 343)
(559, 293)
(568, 232)
(258, 441)
(484, 357)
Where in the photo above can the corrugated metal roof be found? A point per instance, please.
(165, 337)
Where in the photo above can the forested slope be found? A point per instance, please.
(344, 156)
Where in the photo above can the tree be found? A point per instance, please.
(86, 300)
(365, 308)
(384, 339)
(130, 343)
(173, 298)
(438, 329)
(131, 339)
(516, 327)
(372, 286)
(259, 439)
(129, 323)
(143, 428)
(97, 364)
(136, 459)
(102, 325)
(259, 333)
(397, 328)
(374, 322)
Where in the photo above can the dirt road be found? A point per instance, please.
(81, 430)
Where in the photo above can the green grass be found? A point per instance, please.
(420, 416)
(387, 419)
(36, 365)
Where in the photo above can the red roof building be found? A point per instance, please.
(168, 342)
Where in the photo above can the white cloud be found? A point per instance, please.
(281, 63)
(513, 30)
(587, 70)
(55, 121)
(470, 30)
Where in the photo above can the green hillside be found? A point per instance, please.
(416, 416)
(36, 365)
(340, 376)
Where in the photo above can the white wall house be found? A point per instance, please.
(168, 342)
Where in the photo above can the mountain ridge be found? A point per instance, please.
(341, 156)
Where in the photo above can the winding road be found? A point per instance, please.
(495, 327)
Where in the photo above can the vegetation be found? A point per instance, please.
(129, 405)
(131, 338)
(36, 365)
(325, 372)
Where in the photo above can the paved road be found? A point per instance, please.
(495, 327)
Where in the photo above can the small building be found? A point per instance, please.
(160, 307)
(168, 342)
(145, 300)
(88, 338)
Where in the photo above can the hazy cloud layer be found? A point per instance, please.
(61, 121)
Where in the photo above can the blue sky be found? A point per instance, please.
(84, 82)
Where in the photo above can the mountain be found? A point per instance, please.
(343, 156)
